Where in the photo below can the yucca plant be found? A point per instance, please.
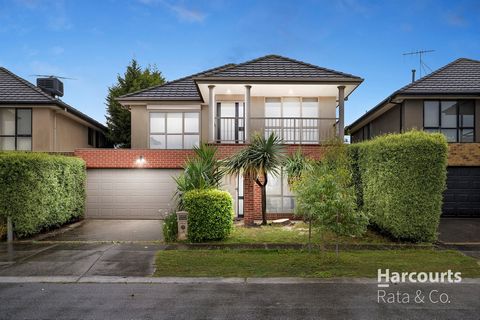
(263, 156)
(295, 164)
(202, 171)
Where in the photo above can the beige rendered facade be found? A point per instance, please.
(141, 113)
(53, 130)
(406, 115)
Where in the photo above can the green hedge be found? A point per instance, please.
(399, 180)
(40, 191)
(210, 214)
(170, 227)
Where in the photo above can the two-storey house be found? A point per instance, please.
(302, 103)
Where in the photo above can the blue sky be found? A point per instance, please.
(92, 41)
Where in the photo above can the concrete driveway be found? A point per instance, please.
(93, 248)
(459, 230)
(77, 259)
(113, 230)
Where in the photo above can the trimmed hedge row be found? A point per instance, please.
(399, 181)
(40, 191)
(210, 214)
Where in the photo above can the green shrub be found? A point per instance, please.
(170, 227)
(210, 214)
(40, 191)
(402, 181)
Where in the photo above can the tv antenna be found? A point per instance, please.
(421, 64)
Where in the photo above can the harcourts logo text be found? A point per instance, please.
(419, 295)
(386, 277)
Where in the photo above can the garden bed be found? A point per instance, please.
(318, 264)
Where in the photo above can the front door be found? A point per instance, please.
(230, 122)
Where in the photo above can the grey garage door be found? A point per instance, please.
(462, 197)
(129, 193)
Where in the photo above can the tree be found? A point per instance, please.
(203, 171)
(325, 196)
(118, 117)
(263, 156)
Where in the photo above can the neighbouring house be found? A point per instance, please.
(446, 101)
(33, 118)
(302, 103)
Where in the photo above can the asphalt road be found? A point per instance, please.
(230, 301)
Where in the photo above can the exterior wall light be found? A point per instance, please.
(140, 160)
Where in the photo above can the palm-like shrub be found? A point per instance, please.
(295, 164)
(262, 157)
(203, 171)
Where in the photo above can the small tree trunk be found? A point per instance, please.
(264, 205)
(310, 235)
(336, 238)
(336, 249)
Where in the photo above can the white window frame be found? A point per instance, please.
(302, 126)
(166, 134)
(282, 195)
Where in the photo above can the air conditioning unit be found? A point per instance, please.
(51, 85)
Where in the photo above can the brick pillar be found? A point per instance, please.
(252, 201)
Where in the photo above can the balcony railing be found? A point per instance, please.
(290, 130)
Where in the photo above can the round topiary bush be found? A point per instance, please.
(210, 214)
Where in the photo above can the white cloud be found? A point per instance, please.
(455, 19)
(182, 12)
(57, 50)
(44, 68)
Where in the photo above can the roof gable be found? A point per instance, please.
(275, 67)
(461, 76)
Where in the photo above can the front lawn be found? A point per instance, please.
(295, 233)
(292, 263)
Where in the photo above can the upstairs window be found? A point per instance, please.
(174, 130)
(455, 119)
(15, 129)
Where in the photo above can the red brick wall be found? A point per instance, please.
(464, 154)
(127, 158)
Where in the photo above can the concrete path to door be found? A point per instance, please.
(113, 230)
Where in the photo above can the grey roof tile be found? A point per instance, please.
(271, 67)
(275, 67)
(16, 90)
(461, 76)
(180, 89)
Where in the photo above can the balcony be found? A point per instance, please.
(290, 130)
